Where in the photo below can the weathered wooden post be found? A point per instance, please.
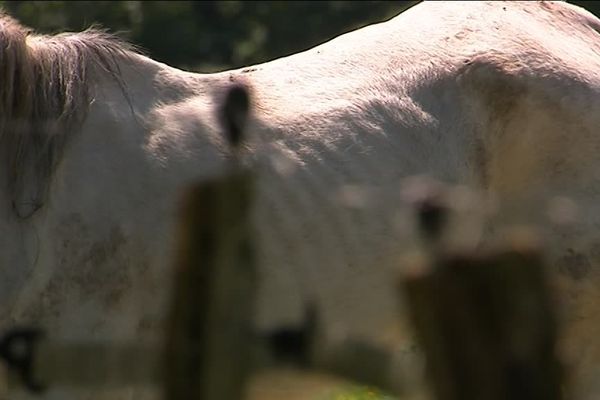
(484, 321)
(209, 338)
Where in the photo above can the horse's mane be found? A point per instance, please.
(44, 97)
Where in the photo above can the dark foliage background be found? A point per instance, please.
(214, 35)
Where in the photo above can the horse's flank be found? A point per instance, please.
(44, 99)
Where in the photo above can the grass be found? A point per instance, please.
(360, 393)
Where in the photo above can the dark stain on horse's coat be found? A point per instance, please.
(497, 96)
(494, 83)
(86, 268)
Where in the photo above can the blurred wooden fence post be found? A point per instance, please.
(485, 324)
(210, 340)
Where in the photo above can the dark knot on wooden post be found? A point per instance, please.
(429, 200)
(234, 112)
(432, 214)
(296, 344)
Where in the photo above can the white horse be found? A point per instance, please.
(97, 142)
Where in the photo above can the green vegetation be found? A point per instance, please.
(359, 394)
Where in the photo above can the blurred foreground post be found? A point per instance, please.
(210, 337)
(485, 324)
